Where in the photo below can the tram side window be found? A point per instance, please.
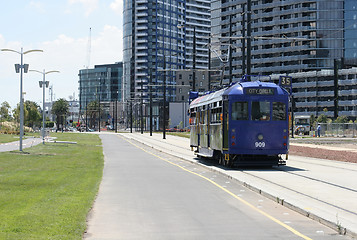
(279, 111)
(192, 117)
(216, 115)
(240, 111)
(260, 111)
(202, 117)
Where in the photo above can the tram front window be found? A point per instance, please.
(279, 111)
(260, 111)
(240, 111)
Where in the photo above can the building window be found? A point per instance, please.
(180, 76)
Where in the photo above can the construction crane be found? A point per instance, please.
(89, 45)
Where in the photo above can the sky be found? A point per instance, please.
(61, 29)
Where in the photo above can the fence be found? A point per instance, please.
(338, 130)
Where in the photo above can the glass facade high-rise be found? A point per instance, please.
(159, 36)
(102, 83)
(350, 29)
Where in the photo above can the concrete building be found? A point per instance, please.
(184, 81)
(286, 36)
(313, 92)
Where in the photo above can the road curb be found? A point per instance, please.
(335, 226)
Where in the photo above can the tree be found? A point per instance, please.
(32, 115)
(5, 112)
(93, 113)
(60, 108)
(322, 119)
(341, 119)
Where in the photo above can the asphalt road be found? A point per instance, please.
(147, 194)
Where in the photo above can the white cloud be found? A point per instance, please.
(117, 6)
(65, 54)
(38, 6)
(89, 5)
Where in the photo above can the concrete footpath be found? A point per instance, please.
(26, 143)
(323, 190)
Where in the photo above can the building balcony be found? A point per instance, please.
(305, 94)
(305, 104)
(304, 85)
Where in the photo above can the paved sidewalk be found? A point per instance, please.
(26, 143)
(321, 189)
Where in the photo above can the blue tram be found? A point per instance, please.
(244, 124)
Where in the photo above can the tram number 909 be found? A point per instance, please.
(259, 144)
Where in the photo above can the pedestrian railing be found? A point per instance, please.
(338, 130)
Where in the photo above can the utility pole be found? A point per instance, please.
(209, 65)
(249, 32)
(150, 89)
(243, 41)
(141, 109)
(131, 117)
(193, 60)
(230, 49)
(335, 80)
(164, 102)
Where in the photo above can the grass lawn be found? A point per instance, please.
(180, 134)
(5, 138)
(47, 193)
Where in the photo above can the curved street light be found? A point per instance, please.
(21, 68)
(43, 84)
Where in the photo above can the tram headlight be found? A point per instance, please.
(260, 137)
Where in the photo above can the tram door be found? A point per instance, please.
(225, 125)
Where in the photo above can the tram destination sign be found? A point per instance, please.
(259, 91)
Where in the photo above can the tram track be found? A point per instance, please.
(179, 150)
(301, 193)
(324, 192)
(286, 171)
(325, 165)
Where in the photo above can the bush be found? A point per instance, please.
(49, 124)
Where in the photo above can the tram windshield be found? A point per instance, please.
(260, 111)
(279, 111)
(240, 111)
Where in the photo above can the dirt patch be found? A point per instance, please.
(344, 156)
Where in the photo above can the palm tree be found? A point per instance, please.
(93, 112)
(60, 108)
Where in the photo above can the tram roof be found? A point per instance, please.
(235, 89)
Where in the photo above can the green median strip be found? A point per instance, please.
(47, 192)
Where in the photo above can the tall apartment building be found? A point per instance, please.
(102, 83)
(287, 36)
(158, 37)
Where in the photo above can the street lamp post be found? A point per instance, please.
(21, 68)
(43, 84)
